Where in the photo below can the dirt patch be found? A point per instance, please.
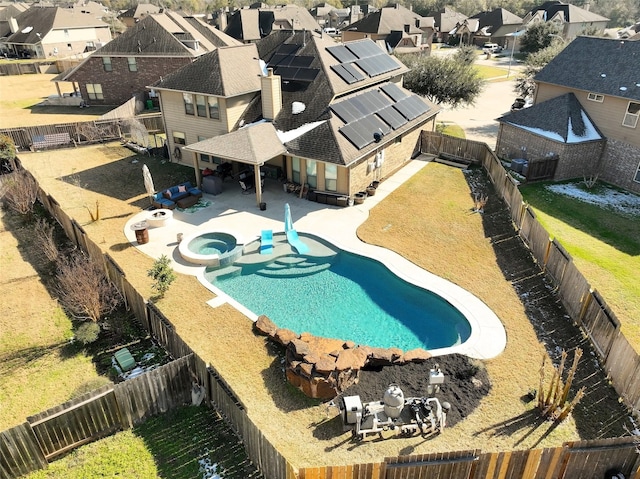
(466, 383)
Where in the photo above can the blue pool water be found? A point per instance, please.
(343, 295)
(212, 243)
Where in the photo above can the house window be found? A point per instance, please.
(179, 138)
(201, 106)
(188, 103)
(205, 158)
(94, 91)
(331, 177)
(295, 169)
(595, 97)
(637, 177)
(106, 63)
(631, 117)
(214, 111)
(312, 173)
(133, 65)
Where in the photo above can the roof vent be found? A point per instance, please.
(297, 107)
(603, 75)
(26, 30)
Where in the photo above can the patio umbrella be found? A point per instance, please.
(148, 181)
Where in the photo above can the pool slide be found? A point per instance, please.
(292, 234)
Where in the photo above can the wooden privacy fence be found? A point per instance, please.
(17, 455)
(46, 436)
(64, 135)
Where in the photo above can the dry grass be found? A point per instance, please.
(428, 220)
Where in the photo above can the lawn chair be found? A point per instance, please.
(266, 242)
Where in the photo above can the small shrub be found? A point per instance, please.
(20, 192)
(162, 275)
(45, 240)
(87, 333)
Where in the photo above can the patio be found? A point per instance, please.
(236, 213)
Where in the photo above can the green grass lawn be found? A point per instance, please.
(604, 243)
(450, 129)
(489, 72)
(176, 445)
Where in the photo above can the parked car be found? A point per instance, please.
(330, 31)
(491, 48)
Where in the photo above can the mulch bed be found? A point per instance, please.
(466, 383)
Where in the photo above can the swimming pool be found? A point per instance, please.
(337, 294)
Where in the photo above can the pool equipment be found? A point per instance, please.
(407, 416)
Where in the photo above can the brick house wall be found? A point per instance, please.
(575, 159)
(620, 164)
(119, 85)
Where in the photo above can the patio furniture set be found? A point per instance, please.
(183, 196)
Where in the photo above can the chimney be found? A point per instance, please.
(271, 95)
(586, 6)
(13, 25)
(222, 20)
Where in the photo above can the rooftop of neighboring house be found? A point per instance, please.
(496, 18)
(570, 13)
(36, 22)
(8, 10)
(599, 65)
(447, 18)
(393, 18)
(249, 24)
(338, 100)
(561, 119)
(167, 34)
(139, 11)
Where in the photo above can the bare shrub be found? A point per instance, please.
(84, 290)
(44, 239)
(480, 202)
(590, 180)
(20, 192)
(555, 404)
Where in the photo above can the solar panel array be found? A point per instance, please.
(377, 111)
(292, 67)
(366, 56)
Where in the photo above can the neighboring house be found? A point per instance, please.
(135, 14)
(603, 75)
(466, 30)
(402, 30)
(153, 48)
(570, 20)
(445, 21)
(43, 32)
(320, 14)
(495, 26)
(331, 116)
(251, 24)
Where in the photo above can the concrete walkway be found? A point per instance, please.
(237, 213)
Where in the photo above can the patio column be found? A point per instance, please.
(258, 183)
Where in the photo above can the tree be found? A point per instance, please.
(535, 62)
(8, 151)
(84, 290)
(465, 54)
(162, 275)
(538, 37)
(442, 80)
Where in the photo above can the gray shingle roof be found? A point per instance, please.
(497, 18)
(161, 34)
(226, 72)
(561, 118)
(388, 19)
(569, 12)
(598, 65)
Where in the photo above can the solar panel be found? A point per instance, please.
(288, 48)
(393, 91)
(392, 117)
(342, 54)
(374, 124)
(346, 112)
(387, 63)
(287, 73)
(346, 74)
(411, 107)
(306, 74)
(279, 59)
(367, 65)
(301, 61)
(363, 49)
(378, 99)
(356, 135)
(353, 71)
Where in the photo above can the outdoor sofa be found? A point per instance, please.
(182, 195)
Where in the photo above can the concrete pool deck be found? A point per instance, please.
(236, 213)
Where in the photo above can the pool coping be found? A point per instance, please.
(488, 336)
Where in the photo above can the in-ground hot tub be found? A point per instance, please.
(213, 248)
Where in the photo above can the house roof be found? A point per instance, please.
(569, 13)
(447, 18)
(560, 119)
(599, 65)
(140, 10)
(35, 23)
(250, 24)
(393, 18)
(167, 34)
(11, 10)
(497, 18)
(226, 72)
(253, 144)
